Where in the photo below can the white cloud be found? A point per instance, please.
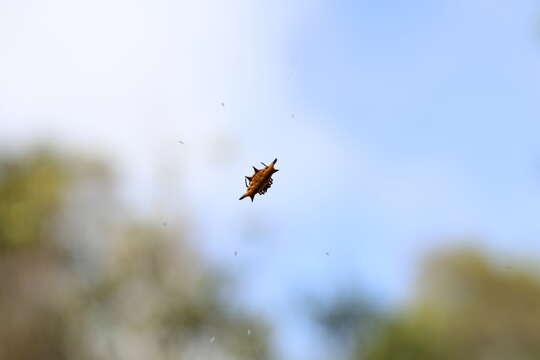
(129, 78)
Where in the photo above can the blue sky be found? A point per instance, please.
(414, 121)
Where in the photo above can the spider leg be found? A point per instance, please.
(266, 186)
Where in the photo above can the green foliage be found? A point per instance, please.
(130, 290)
(347, 319)
(30, 194)
(158, 289)
(466, 307)
(405, 341)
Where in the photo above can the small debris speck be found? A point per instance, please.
(292, 115)
(235, 253)
(165, 223)
(222, 104)
(327, 253)
(212, 339)
(181, 142)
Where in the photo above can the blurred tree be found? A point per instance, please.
(33, 274)
(156, 291)
(466, 307)
(30, 190)
(345, 319)
(80, 279)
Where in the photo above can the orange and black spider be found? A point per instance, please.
(260, 181)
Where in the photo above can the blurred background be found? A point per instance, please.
(403, 223)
